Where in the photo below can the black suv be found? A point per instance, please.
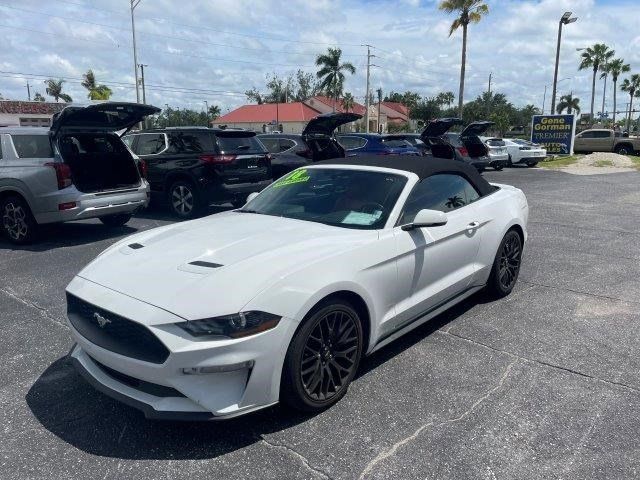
(192, 167)
(315, 143)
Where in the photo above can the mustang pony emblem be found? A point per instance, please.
(101, 320)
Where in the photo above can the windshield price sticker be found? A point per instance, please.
(299, 176)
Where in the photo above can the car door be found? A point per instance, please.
(436, 264)
(583, 142)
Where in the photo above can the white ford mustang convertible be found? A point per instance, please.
(280, 300)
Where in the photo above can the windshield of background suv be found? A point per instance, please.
(341, 197)
(32, 146)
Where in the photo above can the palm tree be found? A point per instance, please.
(214, 112)
(54, 89)
(445, 97)
(331, 72)
(347, 102)
(595, 57)
(469, 11)
(38, 97)
(96, 92)
(616, 68)
(632, 87)
(569, 103)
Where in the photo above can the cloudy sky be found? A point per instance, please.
(214, 50)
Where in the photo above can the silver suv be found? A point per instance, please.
(77, 169)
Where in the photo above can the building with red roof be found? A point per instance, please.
(29, 114)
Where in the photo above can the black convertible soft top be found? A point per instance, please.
(423, 167)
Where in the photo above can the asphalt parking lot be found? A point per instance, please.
(542, 384)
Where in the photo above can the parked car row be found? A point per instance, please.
(87, 165)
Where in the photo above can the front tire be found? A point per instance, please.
(17, 221)
(183, 199)
(118, 220)
(623, 150)
(506, 266)
(531, 164)
(323, 357)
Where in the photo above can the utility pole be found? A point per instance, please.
(206, 105)
(366, 97)
(564, 20)
(134, 4)
(379, 108)
(489, 94)
(544, 99)
(144, 96)
(28, 91)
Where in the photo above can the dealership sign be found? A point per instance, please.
(554, 132)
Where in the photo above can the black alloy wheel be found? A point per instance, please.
(323, 358)
(506, 265)
(17, 221)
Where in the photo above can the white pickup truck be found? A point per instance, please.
(603, 140)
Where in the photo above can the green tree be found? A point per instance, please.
(468, 11)
(595, 57)
(568, 103)
(425, 110)
(632, 87)
(176, 117)
(54, 89)
(96, 92)
(446, 98)
(616, 68)
(347, 102)
(331, 72)
(214, 112)
(306, 86)
(38, 97)
(254, 95)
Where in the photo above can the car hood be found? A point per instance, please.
(326, 124)
(216, 265)
(439, 127)
(108, 116)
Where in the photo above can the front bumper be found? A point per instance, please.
(224, 192)
(255, 364)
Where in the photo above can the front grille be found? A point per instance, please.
(146, 387)
(115, 333)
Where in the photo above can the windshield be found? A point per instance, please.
(340, 197)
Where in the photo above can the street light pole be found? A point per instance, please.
(564, 20)
(134, 4)
(366, 97)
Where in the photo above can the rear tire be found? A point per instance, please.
(116, 220)
(506, 266)
(623, 150)
(183, 199)
(17, 221)
(323, 357)
(531, 164)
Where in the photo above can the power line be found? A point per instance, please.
(226, 32)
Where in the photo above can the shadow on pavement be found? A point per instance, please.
(94, 423)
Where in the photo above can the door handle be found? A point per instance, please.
(473, 225)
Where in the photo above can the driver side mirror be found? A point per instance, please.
(252, 195)
(426, 218)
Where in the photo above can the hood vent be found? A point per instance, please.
(201, 263)
(135, 246)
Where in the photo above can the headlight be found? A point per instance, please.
(237, 325)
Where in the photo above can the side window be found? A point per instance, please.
(272, 144)
(602, 134)
(150, 144)
(32, 146)
(286, 144)
(128, 140)
(190, 142)
(444, 192)
(587, 135)
(351, 143)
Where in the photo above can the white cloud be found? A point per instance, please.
(516, 42)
